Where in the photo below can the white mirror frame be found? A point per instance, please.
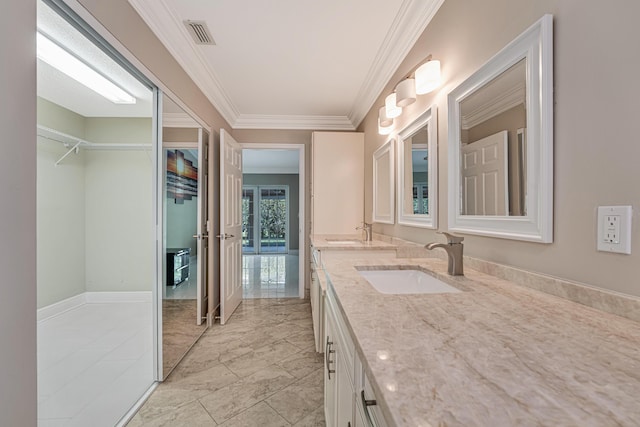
(386, 150)
(536, 45)
(430, 220)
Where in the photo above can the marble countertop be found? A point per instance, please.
(497, 354)
(323, 242)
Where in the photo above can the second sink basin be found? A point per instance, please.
(406, 282)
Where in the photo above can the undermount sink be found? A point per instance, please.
(343, 242)
(406, 282)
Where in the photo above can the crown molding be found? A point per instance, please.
(178, 120)
(495, 105)
(410, 22)
(264, 121)
(164, 23)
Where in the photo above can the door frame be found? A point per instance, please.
(302, 223)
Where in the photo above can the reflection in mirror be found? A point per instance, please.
(490, 119)
(417, 157)
(383, 186)
(501, 142)
(181, 264)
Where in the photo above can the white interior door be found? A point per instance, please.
(230, 226)
(203, 227)
(484, 176)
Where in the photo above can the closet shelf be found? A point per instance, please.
(74, 143)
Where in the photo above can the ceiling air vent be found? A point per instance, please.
(199, 32)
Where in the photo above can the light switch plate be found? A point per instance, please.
(614, 229)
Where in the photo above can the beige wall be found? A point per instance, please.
(596, 64)
(18, 405)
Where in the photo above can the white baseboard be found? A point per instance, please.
(60, 307)
(107, 297)
(76, 301)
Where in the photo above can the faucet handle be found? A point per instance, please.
(451, 239)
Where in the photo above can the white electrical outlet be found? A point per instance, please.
(614, 229)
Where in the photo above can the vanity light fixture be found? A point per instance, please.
(384, 120)
(427, 77)
(65, 62)
(384, 130)
(385, 123)
(406, 92)
(393, 110)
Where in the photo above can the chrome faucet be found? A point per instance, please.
(367, 231)
(454, 251)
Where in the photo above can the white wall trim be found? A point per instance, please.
(264, 121)
(410, 22)
(56, 309)
(178, 120)
(162, 20)
(60, 307)
(494, 106)
(407, 27)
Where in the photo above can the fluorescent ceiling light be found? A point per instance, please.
(62, 60)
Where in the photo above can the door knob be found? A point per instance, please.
(224, 236)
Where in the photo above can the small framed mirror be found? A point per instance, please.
(501, 142)
(383, 184)
(417, 171)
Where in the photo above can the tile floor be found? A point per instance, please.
(179, 330)
(260, 369)
(94, 362)
(270, 276)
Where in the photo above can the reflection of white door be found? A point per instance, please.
(484, 176)
(203, 226)
(230, 226)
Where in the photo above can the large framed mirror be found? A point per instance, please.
(501, 142)
(417, 171)
(383, 184)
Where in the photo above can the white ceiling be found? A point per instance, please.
(60, 89)
(291, 64)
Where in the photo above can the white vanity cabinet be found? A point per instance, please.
(337, 182)
(317, 297)
(318, 283)
(345, 380)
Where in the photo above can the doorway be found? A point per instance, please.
(265, 219)
(273, 221)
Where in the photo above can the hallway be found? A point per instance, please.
(260, 369)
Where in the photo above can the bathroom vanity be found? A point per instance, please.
(496, 353)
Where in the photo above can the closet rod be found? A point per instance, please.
(74, 148)
(67, 140)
